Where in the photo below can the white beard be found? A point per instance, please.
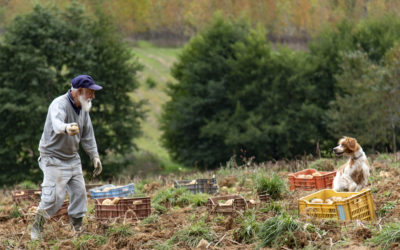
(85, 104)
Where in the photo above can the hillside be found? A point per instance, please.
(156, 63)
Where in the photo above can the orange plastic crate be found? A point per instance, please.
(317, 182)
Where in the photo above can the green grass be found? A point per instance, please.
(157, 63)
(389, 234)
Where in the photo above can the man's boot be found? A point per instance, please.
(37, 227)
(76, 223)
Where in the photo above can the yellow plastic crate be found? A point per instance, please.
(355, 206)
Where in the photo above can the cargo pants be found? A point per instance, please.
(59, 177)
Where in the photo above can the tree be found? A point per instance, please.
(235, 93)
(40, 53)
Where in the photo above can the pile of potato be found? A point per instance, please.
(110, 202)
(327, 201)
(226, 203)
(309, 176)
(106, 189)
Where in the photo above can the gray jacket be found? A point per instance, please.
(55, 142)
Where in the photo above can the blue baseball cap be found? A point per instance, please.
(85, 81)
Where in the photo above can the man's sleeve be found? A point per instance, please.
(88, 140)
(58, 115)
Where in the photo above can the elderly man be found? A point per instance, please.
(67, 124)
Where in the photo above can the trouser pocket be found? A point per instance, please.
(48, 192)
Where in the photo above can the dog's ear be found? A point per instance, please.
(352, 144)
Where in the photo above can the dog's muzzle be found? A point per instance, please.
(337, 151)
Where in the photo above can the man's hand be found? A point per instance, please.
(72, 128)
(97, 166)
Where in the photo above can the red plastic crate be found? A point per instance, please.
(26, 195)
(317, 182)
(239, 203)
(132, 208)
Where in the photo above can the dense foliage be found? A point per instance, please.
(39, 54)
(235, 93)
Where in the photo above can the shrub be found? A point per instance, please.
(150, 82)
(272, 184)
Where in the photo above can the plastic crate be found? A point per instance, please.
(62, 213)
(106, 212)
(132, 208)
(201, 186)
(123, 191)
(27, 195)
(137, 208)
(355, 206)
(239, 203)
(317, 182)
(264, 197)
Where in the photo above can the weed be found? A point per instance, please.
(27, 185)
(192, 234)
(322, 165)
(272, 184)
(248, 227)
(120, 231)
(387, 207)
(272, 207)
(151, 219)
(278, 230)
(86, 241)
(15, 213)
(198, 199)
(167, 245)
(389, 234)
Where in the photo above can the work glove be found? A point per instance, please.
(72, 128)
(97, 166)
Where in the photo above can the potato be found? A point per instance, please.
(317, 174)
(328, 201)
(107, 202)
(192, 182)
(115, 201)
(316, 200)
(308, 176)
(20, 193)
(227, 203)
(336, 198)
(137, 202)
(301, 176)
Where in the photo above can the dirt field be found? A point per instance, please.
(183, 226)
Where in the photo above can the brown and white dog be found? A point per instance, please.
(353, 175)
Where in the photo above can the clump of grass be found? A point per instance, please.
(248, 228)
(389, 234)
(87, 241)
(272, 207)
(15, 212)
(27, 185)
(386, 208)
(278, 230)
(177, 197)
(192, 234)
(151, 219)
(119, 230)
(271, 184)
(189, 198)
(322, 165)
